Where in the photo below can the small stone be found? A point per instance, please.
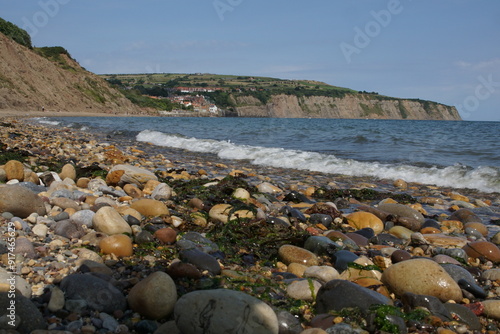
(83, 217)
(154, 297)
(401, 232)
(118, 244)
(241, 194)
(201, 260)
(480, 227)
(132, 190)
(14, 170)
(68, 229)
(109, 323)
(109, 221)
(491, 274)
(220, 213)
(150, 207)
(484, 249)
(400, 255)
(68, 171)
(40, 230)
(360, 220)
(402, 211)
(65, 203)
(162, 192)
(303, 289)
(150, 186)
(322, 273)
(180, 269)
(268, 188)
(25, 247)
(492, 308)
(297, 269)
(399, 183)
(123, 174)
(56, 301)
(465, 216)
(293, 254)
(166, 235)
(94, 267)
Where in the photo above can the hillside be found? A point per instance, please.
(245, 96)
(32, 78)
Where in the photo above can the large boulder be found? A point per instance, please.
(20, 201)
(224, 311)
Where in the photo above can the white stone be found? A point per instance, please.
(162, 192)
(40, 230)
(109, 221)
(303, 290)
(322, 273)
(266, 187)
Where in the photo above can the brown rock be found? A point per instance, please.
(118, 244)
(220, 213)
(423, 277)
(82, 182)
(150, 208)
(114, 177)
(399, 183)
(68, 171)
(484, 249)
(154, 297)
(465, 216)
(14, 170)
(132, 191)
(362, 219)
(150, 186)
(20, 201)
(480, 227)
(293, 254)
(166, 235)
(180, 269)
(30, 176)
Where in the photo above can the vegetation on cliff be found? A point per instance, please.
(15, 33)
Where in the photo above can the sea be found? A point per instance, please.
(457, 154)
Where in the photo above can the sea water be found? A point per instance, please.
(459, 154)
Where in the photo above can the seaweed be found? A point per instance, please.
(365, 194)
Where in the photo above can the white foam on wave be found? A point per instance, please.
(46, 121)
(486, 179)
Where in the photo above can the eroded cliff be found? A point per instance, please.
(349, 106)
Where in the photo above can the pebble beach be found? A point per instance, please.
(101, 236)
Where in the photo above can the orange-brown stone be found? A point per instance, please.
(485, 249)
(362, 219)
(118, 244)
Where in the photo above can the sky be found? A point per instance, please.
(446, 51)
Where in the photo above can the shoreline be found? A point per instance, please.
(250, 258)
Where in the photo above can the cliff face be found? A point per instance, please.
(349, 106)
(29, 81)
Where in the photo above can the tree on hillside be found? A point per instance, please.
(15, 33)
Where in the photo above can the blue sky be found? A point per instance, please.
(446, 51)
